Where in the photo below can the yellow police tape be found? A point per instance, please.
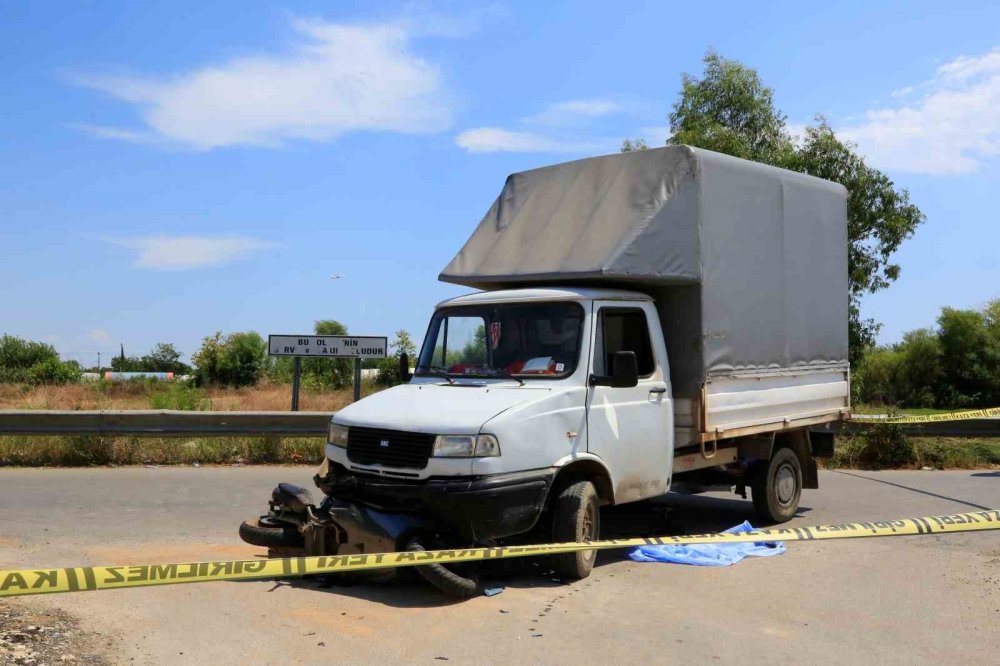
(931, 418)
(20, 582)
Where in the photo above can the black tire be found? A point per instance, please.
(462, 583)
(576, 516)
(270, 536)
(777, 487)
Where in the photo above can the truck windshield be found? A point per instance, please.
(533, 340)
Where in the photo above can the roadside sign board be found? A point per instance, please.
(330, 346)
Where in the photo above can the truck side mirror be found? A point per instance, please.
(404, 367)
(624, 370)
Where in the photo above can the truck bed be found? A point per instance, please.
(730, 407)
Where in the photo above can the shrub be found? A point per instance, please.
(27, 362)
(54, 371)
(88, 450)
(876, 375)
(179, 396)
(882, 446)
(239, 359)
(919, 372)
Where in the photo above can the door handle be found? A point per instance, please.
(658, 389)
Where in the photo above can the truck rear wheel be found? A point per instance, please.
(576, 517)
(777, 487)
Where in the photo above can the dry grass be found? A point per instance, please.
(77, 451)
(151, 395)
(86, 451)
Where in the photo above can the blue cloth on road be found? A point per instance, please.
(709, 554)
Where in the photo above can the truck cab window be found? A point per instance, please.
(624, 329)
(461, 343)
(523, 340)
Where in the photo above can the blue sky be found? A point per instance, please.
(173, 169)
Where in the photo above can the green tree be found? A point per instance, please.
(164, 357)
(27, 362)
(955, 365)
(239, 359)
(970, 366)
(326, 372)
(475, 351)
(126, 364)
(876, 376)
(919, 372)
(388, 369)
(17, 353)
(629, 145)
(730, 110)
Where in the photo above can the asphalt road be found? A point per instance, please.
(896, 600)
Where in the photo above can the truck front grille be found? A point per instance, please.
(392, 448)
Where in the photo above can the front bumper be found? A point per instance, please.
(477, 508)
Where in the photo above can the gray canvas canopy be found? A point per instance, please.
(748, 262)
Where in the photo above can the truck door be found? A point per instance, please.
(631, 429)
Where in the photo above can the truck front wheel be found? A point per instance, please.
(777, 486)
(576, 517)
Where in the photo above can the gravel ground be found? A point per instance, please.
(39, 638)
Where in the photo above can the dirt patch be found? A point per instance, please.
(172, 552)
(342, 622)
(35, 637)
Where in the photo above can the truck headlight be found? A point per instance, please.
(337, 435)
(466, 446)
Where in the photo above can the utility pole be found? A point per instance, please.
(98, 365)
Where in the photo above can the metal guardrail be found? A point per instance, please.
(164, 423)
(174, 423)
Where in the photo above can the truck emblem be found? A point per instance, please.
(384, 443)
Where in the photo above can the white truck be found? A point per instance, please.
(664, 319)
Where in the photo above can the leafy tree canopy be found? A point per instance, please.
(957, 364)
(730, 110)
(27, 362)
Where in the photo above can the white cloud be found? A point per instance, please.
(656, 136)
(100, 336)
(951, 127)
(498, 139)
(561, 124)
(104, 132)
(797, 132)
(183, 252)
(338, 78)
(574, 111)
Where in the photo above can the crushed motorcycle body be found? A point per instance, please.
(362, 516)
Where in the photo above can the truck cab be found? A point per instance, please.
(515, 392)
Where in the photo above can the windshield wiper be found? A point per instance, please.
(506, 374)
(435, 371)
